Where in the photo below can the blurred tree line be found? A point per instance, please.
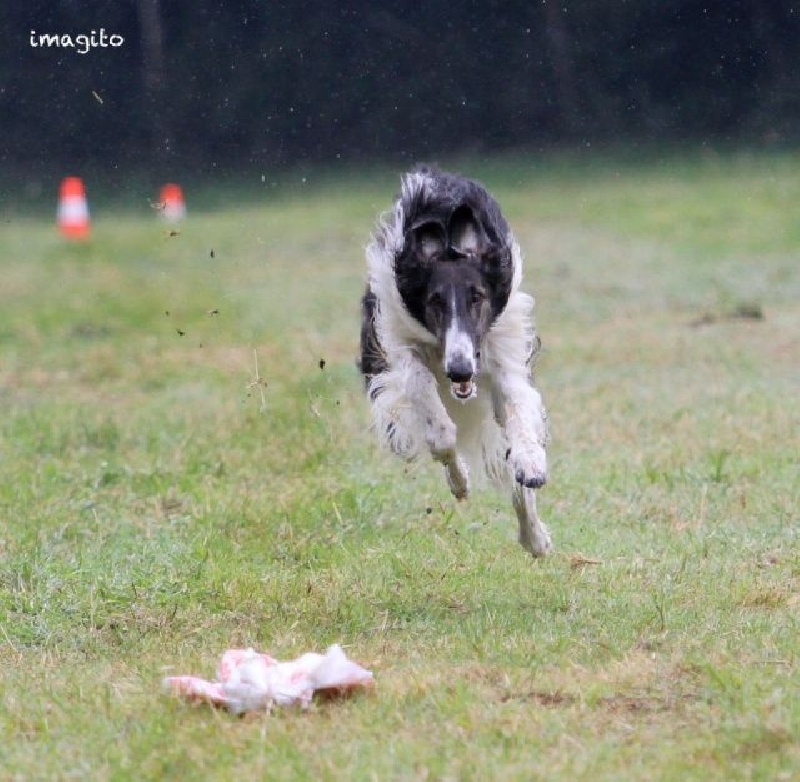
(236, 83)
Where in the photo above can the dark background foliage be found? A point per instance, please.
(207, 83)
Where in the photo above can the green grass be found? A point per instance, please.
(158, 504)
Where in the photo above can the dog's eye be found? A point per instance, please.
(476, 296)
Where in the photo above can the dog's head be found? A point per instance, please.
(455, 280)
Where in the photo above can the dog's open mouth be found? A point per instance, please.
(463, 390)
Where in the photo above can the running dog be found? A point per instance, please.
(447, 342)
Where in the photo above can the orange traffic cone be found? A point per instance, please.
(73, 211)
(173, 207)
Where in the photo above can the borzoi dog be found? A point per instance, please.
(447, 342)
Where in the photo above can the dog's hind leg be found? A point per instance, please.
(457, 476)
(533, 534)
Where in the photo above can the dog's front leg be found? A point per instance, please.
(440, 432)
(519, 412)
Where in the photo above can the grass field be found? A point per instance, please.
(161, 500)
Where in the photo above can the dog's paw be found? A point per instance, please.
(535, 539)
(530, 467)
(441, 438)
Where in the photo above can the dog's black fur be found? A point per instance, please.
(372, 361)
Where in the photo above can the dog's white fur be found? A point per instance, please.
(503, 430)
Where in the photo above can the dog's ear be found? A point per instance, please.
(465, 232)
(427, 239)
(496, 258)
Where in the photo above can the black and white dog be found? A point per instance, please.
(447, 342)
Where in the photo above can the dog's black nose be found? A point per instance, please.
(460, 371)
